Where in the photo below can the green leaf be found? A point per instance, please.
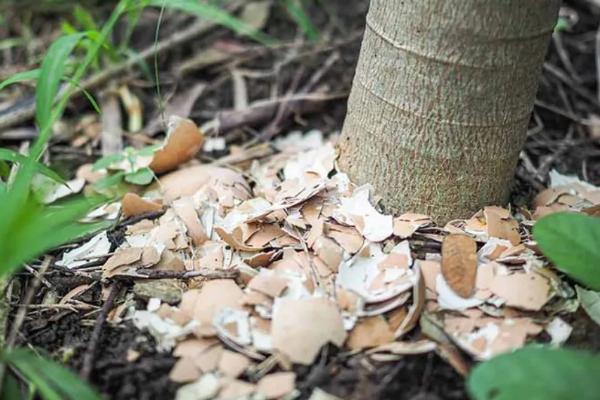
(562, 24)
(13, 156)
(53, 381)
(10, 388)
(572, 242)
(107, 161)
(296, 11)
(217, 15)
(84, 18)
(590, 301)
(142, 176)
(28, 229)
(537, 373)
(109, 181)
(34, 229)
(51, 73)
(148, 150)
(21, 77)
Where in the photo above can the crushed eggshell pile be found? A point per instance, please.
(318, 264)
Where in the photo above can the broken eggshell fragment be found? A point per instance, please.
(183, 141)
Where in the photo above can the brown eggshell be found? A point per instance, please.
(132, 205)
(459, 263)
(187, 181)
(183, 141)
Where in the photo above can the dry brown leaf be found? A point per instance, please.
(183, 141)
(459, 263)
(301, 327)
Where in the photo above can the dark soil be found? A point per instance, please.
(555, 141)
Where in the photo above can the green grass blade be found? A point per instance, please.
(31, 75)
(296, 11)
(90, 56)
(84, 18)
(54, 381)
(217, 15)
(13, 156)
(41, 229)
(51, 73)
(10, 388)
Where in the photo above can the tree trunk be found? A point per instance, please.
(441, 99)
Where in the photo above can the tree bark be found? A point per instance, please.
(441, 98)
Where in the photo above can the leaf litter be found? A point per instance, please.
(278, 259)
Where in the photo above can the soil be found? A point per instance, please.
(560, 144)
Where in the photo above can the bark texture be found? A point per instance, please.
(441, 99)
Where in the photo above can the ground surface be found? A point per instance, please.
(557, 139)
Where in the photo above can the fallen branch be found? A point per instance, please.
(90, 353)
(287, 109)
(265, 110)
(21, 313)
(202, 272)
